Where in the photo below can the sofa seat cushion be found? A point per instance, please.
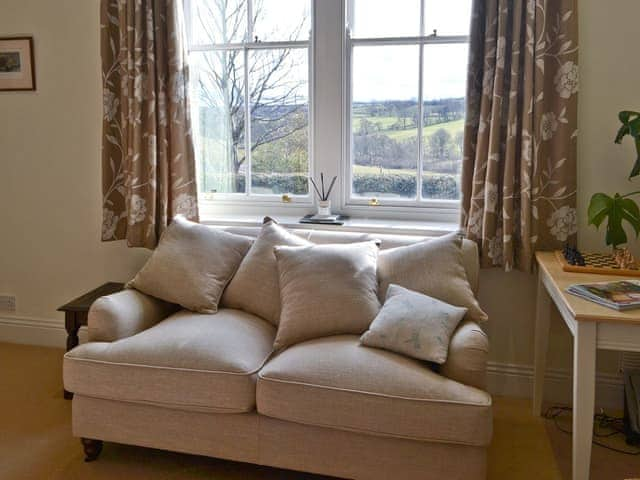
(336, 382)
(190, 361)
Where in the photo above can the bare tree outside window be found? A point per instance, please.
(405, 67)
(249, 70)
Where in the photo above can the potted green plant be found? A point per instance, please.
(618, 208)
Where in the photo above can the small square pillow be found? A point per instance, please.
(414, 325)
(191, 265)
(255, 286)
(326, 290)
(434, 267)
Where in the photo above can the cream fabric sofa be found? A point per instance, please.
(158, 377)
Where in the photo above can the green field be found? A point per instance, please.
(451, 127)
(385, 124)
(368, 170)
(382, 134)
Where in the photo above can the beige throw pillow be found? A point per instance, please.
(191, 265)
(414, 324)
(433, 267)
(326, 290)
(255, 286)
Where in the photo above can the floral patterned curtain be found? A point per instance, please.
(148, 167)
(519, 166)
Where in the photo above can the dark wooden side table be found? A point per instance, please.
(76, 311)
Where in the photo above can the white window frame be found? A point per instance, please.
(330, 133)
(247, 199)
(413, 208)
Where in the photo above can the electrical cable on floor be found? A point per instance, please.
(602, 421)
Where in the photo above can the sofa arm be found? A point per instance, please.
(124, 314)
(467, 359)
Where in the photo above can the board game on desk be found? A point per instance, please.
(599, 263)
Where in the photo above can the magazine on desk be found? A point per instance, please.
(620, 295)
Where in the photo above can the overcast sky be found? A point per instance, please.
(383, 73)
(391, 72)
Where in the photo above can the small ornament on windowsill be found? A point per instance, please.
(323, 215)
(324, 204)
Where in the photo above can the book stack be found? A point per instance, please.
(621, 295)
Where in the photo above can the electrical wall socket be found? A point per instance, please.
(7, 303)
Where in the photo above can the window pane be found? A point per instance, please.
(218, 120)
(279, 89)
(384, 18)
(281, 20)
(444, 91)
(217, 21)
(447, 17)
(384, 121)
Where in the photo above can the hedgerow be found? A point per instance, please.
(434, 186)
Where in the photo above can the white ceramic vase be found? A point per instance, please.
(324, 208)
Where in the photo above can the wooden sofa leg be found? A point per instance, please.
(92, 449)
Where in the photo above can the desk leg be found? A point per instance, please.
(584, 383)
(72, 326)
(543, 314)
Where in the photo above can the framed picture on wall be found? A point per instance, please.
(17, 69)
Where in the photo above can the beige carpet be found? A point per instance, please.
(36, 441)
(604, 463)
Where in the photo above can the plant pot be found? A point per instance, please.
(324, 208)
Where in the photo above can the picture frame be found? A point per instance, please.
(17, 66)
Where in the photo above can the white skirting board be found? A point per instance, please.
(517, 381)
(503, 379)
(35, 331)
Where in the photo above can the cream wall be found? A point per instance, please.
(50, 167)
(50, 163)
(609, 75)
(609, 78)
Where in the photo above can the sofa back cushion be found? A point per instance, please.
(326, 290)
(470, 258)
(255, 286)
(191, 265)
(434, 268)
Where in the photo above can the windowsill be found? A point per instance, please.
(354, 224)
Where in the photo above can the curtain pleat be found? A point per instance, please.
(519, 161)
(148, 165)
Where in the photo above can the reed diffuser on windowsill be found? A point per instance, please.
(324, 204)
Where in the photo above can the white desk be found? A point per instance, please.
(592, 327)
